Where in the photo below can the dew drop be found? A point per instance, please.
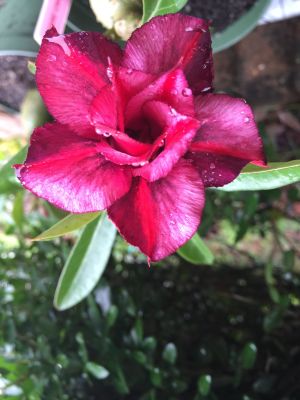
(173, 111)
(109, 72)
(206, 89)
(186, 92)
(60, 40)
(189, 29)
(174, 91)
(129, 71)
(106, 134)
(246, 119)
(212, 166)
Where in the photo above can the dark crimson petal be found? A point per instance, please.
(216, 169)
(160, 217)
(68, 171)
(103, 110)
(228, 134)
(170, 88)
(132, 82)
(174, 141)
(71, 69)
(173, 41)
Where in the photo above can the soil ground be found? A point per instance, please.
(221, 13)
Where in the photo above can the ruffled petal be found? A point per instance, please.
(171, 145)
(71, 69)
(215, 169)
(170, 88)
(149, 217)
(173, 41)
(227, 140)
(103, 110)
(68, 171)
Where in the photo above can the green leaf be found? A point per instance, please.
(241, 27)
(112, 315)
(96, 370)
(276, 175)
(248, 355)
(170, 353)
(66, 225)
(86, 263)
(151, 8)
(31, 67)
(18, 209)
(204, 384)
(196, 252)
(8, 181)
(33, 111)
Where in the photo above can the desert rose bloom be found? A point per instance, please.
(137, 131)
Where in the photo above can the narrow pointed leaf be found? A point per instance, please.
(70, 223)
(196, 252)
(151, 8)
(276, 175)
(96, 370)
(8, 181)
(86, 263)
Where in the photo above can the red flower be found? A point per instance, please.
(137, 131)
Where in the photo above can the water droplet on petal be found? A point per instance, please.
(173, 111)
(109, 72)
(212, 166)
(186, 92)
(60, 40)
(189, 29)
(206, 89)
(174, 91)
(247, 119)
(129, 71)
(106, 134)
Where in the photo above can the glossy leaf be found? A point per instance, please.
(241, 27)
(96, 370)
(8, 181)
(274, 176)
(66, 225)
(18, 209)
(196, 252)
(204, 385)
(151, 8)
(86, 263)
(170, 353)
(248, 356)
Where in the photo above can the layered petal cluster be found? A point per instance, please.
(137, 131)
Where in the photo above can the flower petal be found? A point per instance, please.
(103, 110)
(169, 41)
(173, 142)
(215, 169)
(227, 140)
(170, 88)
(68, 171)
(149, 217)
(71, 69)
